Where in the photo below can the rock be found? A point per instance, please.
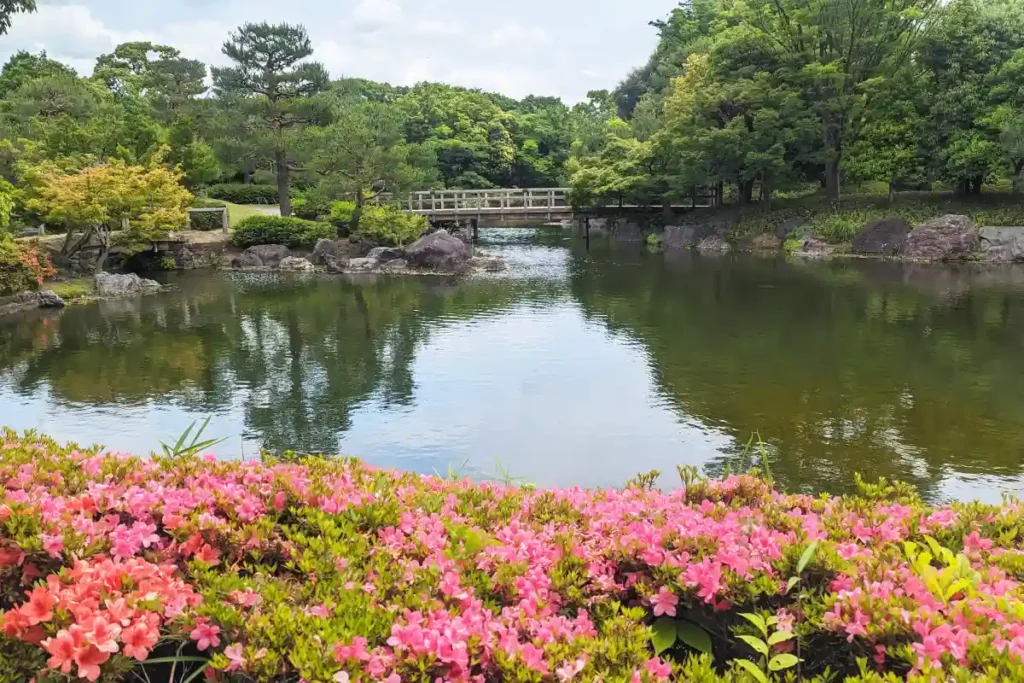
(438, 251)
(325, 249)
(1002, 245)
(48, 299)
(884, 237)
(336, 264)
(384, 254)
(813, 248)
(714, 245)
(296, 264)
(626, 230)
(765, 242)
(947, 238)
(270, 255)
(129, 284)
(246, 260)
(686, 236)
(395, 265)
(362, 264)
(28, 301)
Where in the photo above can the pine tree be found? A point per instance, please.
(276, 90)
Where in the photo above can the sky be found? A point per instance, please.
(562, 48)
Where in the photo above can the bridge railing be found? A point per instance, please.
(484, 202)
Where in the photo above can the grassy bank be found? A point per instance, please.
(329, 571)
(816, 216)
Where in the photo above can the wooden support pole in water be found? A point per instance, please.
(475, 226)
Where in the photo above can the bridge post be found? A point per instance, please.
(474, 224)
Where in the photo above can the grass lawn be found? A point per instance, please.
(239, 212)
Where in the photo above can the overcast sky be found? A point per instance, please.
(543, 47)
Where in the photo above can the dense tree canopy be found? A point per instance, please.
(750, 98)
(759, 97)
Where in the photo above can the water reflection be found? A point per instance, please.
(575, 366)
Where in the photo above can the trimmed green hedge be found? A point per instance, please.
(311, 208)
(205, 220)
(240, 193)
(291, 232)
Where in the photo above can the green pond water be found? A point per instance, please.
(576, 366)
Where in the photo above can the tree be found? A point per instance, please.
(972, 71)
(24, 67)
(830, 48)
(9, 8)
(363, 153)
(275, 88)
(141, 203)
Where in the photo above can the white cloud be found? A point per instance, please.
(69, 33)
(373, 15)
(513, 35)
(436, 28)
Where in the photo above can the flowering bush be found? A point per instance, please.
(330, 571)
(22, 267)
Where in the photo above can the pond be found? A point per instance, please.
(576, 366)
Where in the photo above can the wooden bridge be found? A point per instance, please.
(550, 204)
(530, 204)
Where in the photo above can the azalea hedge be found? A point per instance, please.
(174, 568)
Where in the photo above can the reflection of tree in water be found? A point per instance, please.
(838, 368)
(301, 353)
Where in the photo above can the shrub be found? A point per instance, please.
(241, 193)
(311, 207)
(291, 232)
(69, 291)
(389, 226)
(329, 570)
(341, 216)
(22, 267)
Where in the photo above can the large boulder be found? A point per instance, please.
(48, 299)
(326, 249)
(336, 264)
(438, 251)
(270, 255)
(394, 266)
(713, 245)
(246, 260)
(1002, 245)
(686, 236)
(127, 284)
(385, 254)
(948, 238)
(883, 237)
(299, 265)
(362, 264)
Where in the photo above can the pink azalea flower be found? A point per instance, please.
(664, 603)
(205, 635)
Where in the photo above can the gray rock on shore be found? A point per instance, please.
(1002, 244)
(947, 238)
(261, 256)
(438, 251)
(123, 284)
(296, 264)
(884, 237)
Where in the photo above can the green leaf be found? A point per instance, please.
(780, 637)
(752, 669)
(196, 673)
(663, 634)
(783, 662)
(793, 581)
(693, 636)
(759, 645)
(806, 557)
(757, 621)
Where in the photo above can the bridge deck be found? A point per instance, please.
(547, 202)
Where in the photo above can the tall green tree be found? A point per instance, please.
(275, 88)
(24, 66)
(830, 48)
(363, 154)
